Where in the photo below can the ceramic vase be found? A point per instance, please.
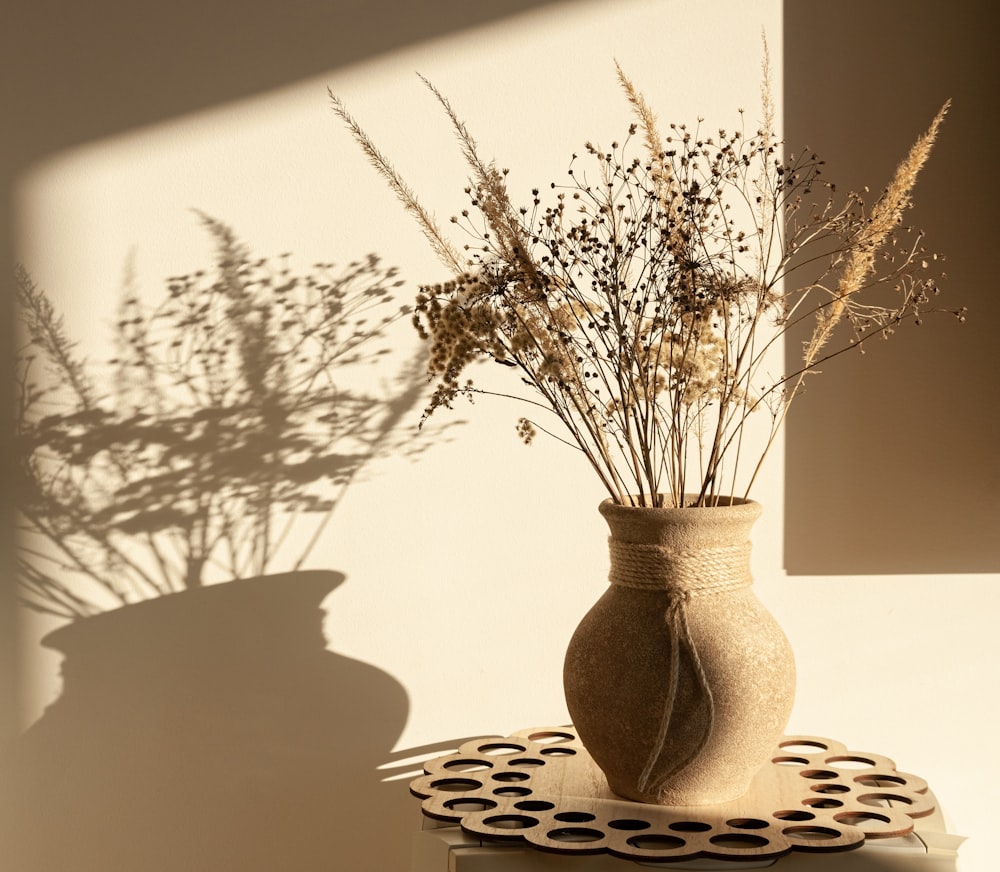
(679, 682)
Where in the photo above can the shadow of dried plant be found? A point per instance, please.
(204, 725)
(218, 439)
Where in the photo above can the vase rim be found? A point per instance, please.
(728, 505)
(724, 501)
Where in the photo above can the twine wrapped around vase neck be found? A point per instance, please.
(700, 572)
(681, 575)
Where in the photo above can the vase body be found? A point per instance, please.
(678, 680)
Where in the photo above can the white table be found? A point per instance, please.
(449, 849)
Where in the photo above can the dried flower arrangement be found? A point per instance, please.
(640, 305)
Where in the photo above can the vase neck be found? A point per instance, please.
(699, 572)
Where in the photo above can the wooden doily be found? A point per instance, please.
(541, 786)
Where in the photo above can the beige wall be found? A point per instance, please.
(467, 570)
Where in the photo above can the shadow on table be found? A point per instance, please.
(211, 730)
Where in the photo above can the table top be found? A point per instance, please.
(450, 849)
(539, 787)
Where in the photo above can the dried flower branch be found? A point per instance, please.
(885, 218)
(439, 242)
(640, 304)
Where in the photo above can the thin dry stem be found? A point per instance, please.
(448, 255)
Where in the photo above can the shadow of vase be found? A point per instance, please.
(206, 730)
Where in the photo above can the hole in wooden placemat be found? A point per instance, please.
(656, 842)
(499, 749)
(880, 780)
(575, 834)
(822, 802)
(511, 822)
(790, 761)
(574, 817)
(558, 752)
(690, 826)
(747, 824)
(883, 799)
(818, 774)
(456, 784)
(865, 821)
(830, 788)
(551, 736)
(467, 765)
(849, 762)
(802, 746)
(463, 805)
(738, 840)
(512, 791)
(629, 824)
(811, 834)
(793, 815)
(510, 776)
(534, 805)
(526, 761)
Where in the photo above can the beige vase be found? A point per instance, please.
(679, 682)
